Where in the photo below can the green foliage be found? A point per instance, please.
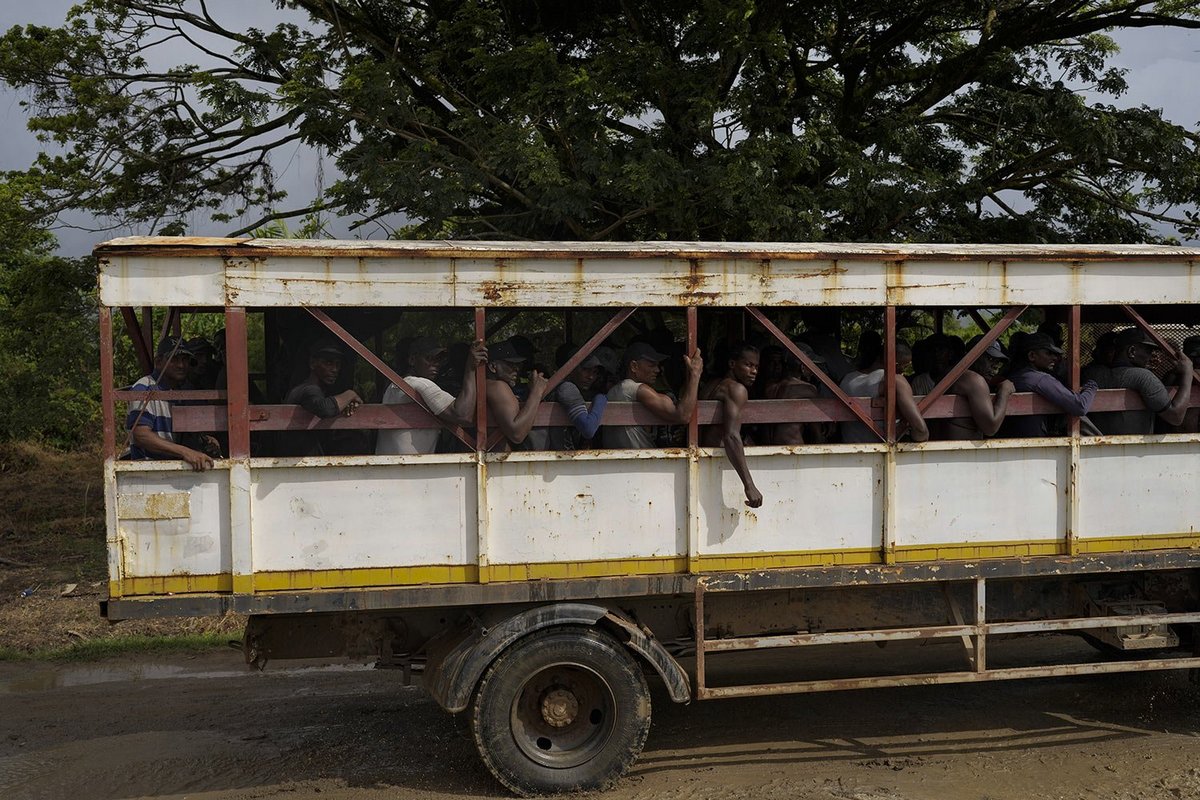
(49, 352)
(916, 121)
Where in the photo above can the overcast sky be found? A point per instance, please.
(1164, 71)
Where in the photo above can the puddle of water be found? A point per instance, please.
(43, 677)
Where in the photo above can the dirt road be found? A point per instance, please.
(205, 728)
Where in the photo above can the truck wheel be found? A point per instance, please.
(562, 710)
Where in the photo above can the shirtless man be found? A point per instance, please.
(987, 412)
(510, 415)
(798, 383)
(732, 391)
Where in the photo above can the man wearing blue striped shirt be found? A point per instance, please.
(151, 431)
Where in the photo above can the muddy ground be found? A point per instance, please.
(206, 728)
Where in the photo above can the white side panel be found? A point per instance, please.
(163, 281)
(586, 510)
(173, 523)
(980, 495)
(810, 502)
(1139, 489)
(342, 517)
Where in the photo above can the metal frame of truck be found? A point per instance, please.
(547, 655)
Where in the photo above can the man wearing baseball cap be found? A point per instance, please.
(1036, 357)
(641, 365)
(987, 412)
(315, 395)
(1134, 350)
(421, 361)
(151, 428)
(505, 411)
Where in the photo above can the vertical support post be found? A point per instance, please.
(1072, 532)
(115, 546)
(699, 626)
(237, 372)
(693, 464)
(108, 412)
(240, 479)
(148, 327)
(481, 470)
(888, 535)
(889, 366)
(980, 621)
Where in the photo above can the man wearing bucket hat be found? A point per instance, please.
(1035, 358)
(987, 412)
(1134, 350)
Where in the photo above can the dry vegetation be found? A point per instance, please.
(52, 536)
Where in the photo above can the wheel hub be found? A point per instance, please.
(559, 708)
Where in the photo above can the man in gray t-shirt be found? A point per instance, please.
(1134, 350)
(641, 366)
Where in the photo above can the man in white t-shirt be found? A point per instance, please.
(422, 360)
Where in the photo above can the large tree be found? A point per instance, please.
(615, 119)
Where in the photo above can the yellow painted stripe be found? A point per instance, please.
(299, 580)
(171, 584)
(367, 576)
(806, 558)
(907, 554)
(586, 569)
(1124, 544)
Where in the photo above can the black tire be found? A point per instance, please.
(564, 709)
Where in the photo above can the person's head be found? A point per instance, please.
(742, 365)
(770, 363)
(795, 368)
(1105, 349)
(1191, 347)
(172, 360)
(424, 357)
(1039, 351)
(944, 352)
(990, 361)
(904, 356)
(870, 350)
(586, 372)
(642, 362)
(203, 357)
(325, 358)
(504, 362)
(1134, 346)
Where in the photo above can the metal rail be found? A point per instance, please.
(974, 635)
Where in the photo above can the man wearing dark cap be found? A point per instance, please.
(505, 411)
(641, 366)
(1036, 357)
(422, 362)
(1134, 350)
(151, 429)
(313, 394)
(203, 372)
(585, 422)
(987, 412)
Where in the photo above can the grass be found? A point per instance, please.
(136, 644)
(52, 536)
